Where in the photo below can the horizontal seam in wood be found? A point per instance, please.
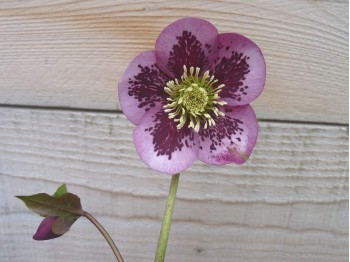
(106, 111)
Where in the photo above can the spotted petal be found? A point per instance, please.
(142, 87)
(188, 41)
(241, 67)
(232, 139)
(162, 146)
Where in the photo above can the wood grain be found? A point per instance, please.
(288, 203)
(71, 53)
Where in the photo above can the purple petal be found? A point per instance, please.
(142, 87)
(162, 146)
(188, 41)
(44, 231)
(232, 139)
(241, 67)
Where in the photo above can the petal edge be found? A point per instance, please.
(161, 146)
(188, 41)
(241, 67)
(141, 87)
(232, 139)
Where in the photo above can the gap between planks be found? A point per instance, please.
(105, 111)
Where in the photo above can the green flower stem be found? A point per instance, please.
(106, 236)
(164, 232)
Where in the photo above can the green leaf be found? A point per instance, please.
(60, 191)
(67, 204)
(63, 224)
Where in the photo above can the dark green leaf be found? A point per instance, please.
(63, 224)
(46, 205)
(60, 191)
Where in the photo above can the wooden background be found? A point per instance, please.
(60, 122)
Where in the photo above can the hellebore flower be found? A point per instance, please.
(189, 98)
(60, 211)
(44, 231)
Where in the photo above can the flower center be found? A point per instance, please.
(194, 100)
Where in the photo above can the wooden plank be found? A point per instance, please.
(288, 203)
(72, 53)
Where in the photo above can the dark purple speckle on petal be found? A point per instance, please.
(167, 138)
(148, 86)
(226, 127)
(188, 51)
(231, 71)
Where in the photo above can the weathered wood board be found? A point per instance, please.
(288, 203)
(71, 53)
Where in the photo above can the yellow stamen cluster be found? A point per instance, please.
(194, 99)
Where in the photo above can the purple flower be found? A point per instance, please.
(44, 231)
(189, 98)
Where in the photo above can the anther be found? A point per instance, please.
(197, 72)
(168, 90)
(191, 70)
